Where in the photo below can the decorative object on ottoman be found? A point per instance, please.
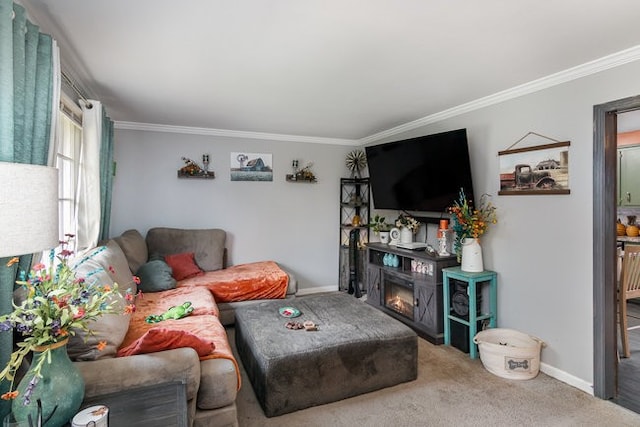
(294, 325)
(508, 353)
(310, 326)
(357, 349)
(289, 312)
(470, 223)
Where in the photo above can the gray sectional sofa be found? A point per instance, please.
(212, 384)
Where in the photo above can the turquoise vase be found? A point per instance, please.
(61, 385)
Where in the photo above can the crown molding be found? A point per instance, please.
(611, 61)
(574, 73)
(234, 133)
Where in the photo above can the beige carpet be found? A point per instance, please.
(451, 390)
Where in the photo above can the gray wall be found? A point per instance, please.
(294, 224)
(541, 247)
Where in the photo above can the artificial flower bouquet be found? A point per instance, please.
(406, 221)
(57, 303)
(470, 222)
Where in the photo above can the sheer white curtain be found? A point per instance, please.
(55, 105)
(88, 209)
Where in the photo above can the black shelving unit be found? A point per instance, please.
(354, 221)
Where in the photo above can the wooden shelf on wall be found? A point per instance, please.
(197, 175)
(292, 178)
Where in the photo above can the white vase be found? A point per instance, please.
(471, 256)
(406, 235)
(384, 237)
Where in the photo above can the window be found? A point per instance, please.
(67, 159)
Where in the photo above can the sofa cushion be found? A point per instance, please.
(155, 276)
(159, 339)
(206, 244)
(183, 265)
(242, 282)
(134, 247)
(103, 265)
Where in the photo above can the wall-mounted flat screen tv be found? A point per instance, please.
(420, 174)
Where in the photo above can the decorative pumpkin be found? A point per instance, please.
(632, 229)
(621, 230)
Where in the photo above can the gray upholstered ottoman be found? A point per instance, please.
(357, 349)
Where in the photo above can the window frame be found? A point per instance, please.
(67, 160)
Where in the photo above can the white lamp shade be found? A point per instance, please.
(28, 208)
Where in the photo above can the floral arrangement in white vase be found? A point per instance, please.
(406, 221)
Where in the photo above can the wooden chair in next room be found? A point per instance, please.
(629, 288)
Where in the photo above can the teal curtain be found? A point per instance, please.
(107, 171)
(26, 88)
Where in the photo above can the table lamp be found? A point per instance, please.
(28, 209)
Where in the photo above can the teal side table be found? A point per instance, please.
(484, 278)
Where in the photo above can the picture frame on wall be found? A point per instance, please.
(542, 169)
(251, 166)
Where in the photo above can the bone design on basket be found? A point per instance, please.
(513, 364)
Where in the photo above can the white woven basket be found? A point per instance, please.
(509, 353)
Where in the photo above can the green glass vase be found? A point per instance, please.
(61, 387)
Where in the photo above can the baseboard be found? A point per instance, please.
(567, 378)
(317, 290)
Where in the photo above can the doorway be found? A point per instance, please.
(604, 243)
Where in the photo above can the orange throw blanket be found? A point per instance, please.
(205, 326)
(256, 280)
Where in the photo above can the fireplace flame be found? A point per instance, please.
(400, 305)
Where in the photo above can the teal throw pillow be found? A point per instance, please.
(155, 276)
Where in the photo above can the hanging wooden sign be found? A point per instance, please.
(542, 169)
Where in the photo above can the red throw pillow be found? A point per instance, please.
(183, 265)
(159, 339)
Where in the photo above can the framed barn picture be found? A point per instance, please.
(251, 167)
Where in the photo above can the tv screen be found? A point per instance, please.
(420, 174)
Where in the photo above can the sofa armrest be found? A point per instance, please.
(292, 289)
(121, 373)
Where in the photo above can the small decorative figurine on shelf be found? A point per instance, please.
(192, 170)
(301, 175)
(443, 235)
(205, 162)
(190, 167)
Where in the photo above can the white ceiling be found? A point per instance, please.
(346, 69)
